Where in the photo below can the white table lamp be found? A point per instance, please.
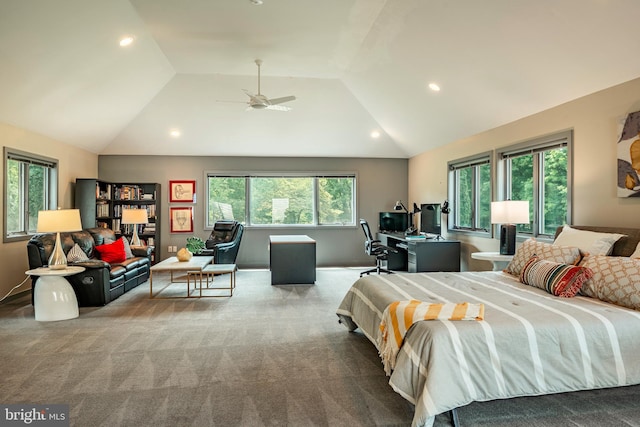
(135, 217)
(507, 213)
(57, 221)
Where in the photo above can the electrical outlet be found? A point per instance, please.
(175, 249)
(169, 249)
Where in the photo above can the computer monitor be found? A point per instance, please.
(393, 221)
(431, 218)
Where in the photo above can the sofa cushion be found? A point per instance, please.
(131, 263)
(113, 253)
(116, 271)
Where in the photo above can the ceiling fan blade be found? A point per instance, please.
(277, 108)
(281, 100)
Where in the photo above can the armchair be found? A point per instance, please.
(224, 241)
(375, 248)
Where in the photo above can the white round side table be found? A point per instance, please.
(499, 261)
(54, 298)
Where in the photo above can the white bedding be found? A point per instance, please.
(530, 343)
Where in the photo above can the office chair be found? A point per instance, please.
(375, 248)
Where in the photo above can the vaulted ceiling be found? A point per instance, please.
(355, 66)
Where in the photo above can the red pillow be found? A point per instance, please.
(112, 252)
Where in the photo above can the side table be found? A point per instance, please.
(499, 261)
(292, 259)
(54, 298)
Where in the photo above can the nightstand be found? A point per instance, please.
(499, 261)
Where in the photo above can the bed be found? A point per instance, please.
(529, 343)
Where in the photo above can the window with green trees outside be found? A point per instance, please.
(30, 186)
(276, 200)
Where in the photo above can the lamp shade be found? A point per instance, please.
(61, 220)
(510, 212)
(134, 216)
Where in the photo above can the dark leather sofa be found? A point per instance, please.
(224, 242)
(101, 282)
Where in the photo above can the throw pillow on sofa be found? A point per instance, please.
(112, 252)
(76, 254)
(127, 248)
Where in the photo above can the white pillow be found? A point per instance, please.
(589, 242)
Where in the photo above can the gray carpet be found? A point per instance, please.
(268, 356)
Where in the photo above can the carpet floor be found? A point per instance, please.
(268, 356)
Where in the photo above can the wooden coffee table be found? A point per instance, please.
(172, 265)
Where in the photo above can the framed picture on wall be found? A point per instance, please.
(181, 219)
(182, 191)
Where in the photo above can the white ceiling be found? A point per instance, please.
(354, 66)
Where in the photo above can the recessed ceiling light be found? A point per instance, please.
(174, 133)
(375, 134)
(434, 87)
(126, 41)
(256, 2)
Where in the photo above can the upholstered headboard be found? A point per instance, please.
(623, 247)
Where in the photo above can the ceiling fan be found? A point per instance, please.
(259, 101)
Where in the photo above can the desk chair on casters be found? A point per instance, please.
(375, 248)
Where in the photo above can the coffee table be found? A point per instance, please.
(212, 270)
(172, 265)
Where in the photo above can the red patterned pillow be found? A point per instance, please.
(112, 252)
(560, 280)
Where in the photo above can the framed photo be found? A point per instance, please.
(182, 191)
(181, 219)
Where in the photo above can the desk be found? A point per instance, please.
(421, 255)
(292, 259)
(499, 261)
(54, 298)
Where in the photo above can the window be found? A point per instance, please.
(470, 193)
(30, 186)
(276, 200)
(539, 171)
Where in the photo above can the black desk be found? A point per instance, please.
(421, 255)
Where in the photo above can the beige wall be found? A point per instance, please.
(594, 120)
(73, 162)
(380, 183)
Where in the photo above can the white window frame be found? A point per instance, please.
(51, 190)
(454, 192)
(537, 147)
(316, 202)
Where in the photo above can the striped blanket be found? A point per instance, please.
(399, 316)
(530, 342)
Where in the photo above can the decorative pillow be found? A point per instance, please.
(547, 251)
(112, 252)
(558, 279)
(76, 254)
(615, 280)
(127, 248)
(589, 242)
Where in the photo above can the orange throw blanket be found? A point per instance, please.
(400, 315)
